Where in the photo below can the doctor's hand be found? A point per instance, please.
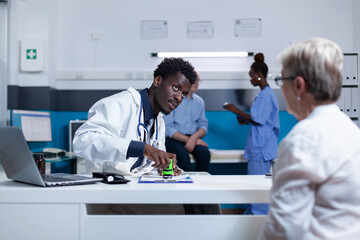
(160, 158)
(177, 171)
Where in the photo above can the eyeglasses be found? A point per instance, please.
(279, 80)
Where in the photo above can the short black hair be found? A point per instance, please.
(171, 66)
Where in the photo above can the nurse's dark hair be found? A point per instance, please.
(259, 65)
(171, 66)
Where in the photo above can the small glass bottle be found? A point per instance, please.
(40, 162)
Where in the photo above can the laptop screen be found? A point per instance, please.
(16, 157)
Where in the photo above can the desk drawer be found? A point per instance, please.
(39, 221)
(210, 227)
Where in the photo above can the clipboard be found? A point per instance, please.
(160, 179)
(243, 119)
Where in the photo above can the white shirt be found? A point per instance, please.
(316, 190)
(103, 140)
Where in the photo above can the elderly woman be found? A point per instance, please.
(316, 193)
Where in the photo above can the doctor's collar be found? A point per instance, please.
(148, 110)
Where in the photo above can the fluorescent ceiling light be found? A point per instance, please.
(202, 54)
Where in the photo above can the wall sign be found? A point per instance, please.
(248, 27)
(200, 30)
(154, 29)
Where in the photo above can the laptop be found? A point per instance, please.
(19, 165)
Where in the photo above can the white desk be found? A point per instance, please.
(26, 210)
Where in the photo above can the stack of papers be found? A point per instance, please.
(160, 179)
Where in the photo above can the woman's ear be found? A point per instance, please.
(258, 76)
(300, 86)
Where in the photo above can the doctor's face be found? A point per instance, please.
(170, 92)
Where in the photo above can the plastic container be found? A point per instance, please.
(40, 162)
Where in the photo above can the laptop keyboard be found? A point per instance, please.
(50, 178)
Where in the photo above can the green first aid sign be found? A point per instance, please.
(31, 54)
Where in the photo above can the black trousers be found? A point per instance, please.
(200, 153)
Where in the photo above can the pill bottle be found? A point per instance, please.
(40, 162)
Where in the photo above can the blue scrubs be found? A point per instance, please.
(262, 142)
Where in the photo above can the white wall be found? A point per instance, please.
(74, 61)
(356, 26)
(3, 64)
(32, 19)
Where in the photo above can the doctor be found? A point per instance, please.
(125, 132)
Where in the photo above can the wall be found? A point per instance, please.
(3, 63)
(79, 70)
(75, 61)
(356, 11)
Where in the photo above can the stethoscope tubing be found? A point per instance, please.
(140, 124)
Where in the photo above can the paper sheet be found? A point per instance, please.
(160, 179)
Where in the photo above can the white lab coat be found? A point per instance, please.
(103, 140)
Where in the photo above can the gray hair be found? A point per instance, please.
(320, 62)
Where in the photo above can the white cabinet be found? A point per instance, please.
(350, 76)
(349, 98)
(20, 221)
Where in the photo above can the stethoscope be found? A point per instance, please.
(146, 138)
(143, 126)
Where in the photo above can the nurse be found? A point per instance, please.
(262, 141)
(125, 132)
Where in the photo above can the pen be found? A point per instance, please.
(165, 180)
